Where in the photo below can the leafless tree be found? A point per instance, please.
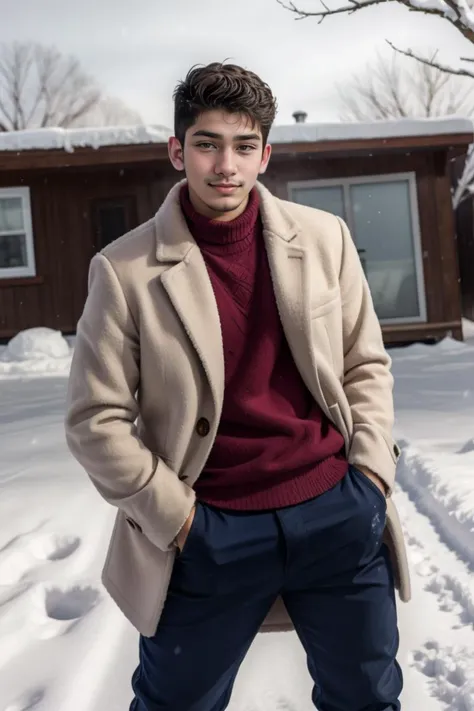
(391, 87)
(459, 13)
(40, 87)
(110, 111)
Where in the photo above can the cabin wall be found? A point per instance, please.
(65, 236)
(62, 205)
(436, 220)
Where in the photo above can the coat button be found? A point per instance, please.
(203, 427)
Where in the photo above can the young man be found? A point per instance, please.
(230, 394)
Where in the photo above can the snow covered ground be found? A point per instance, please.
(65, 647)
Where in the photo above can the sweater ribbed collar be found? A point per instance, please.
(221, 237)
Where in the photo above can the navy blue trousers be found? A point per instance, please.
(325, 557)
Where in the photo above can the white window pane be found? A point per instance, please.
(11, 214)
(329, 198)
(383, 229)
(13, 251)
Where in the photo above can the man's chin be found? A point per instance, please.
(226, 203)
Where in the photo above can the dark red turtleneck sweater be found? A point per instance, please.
(274, 446)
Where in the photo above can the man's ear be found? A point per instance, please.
(175, 152)
(267, 151)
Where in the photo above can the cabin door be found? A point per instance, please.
(112, 218)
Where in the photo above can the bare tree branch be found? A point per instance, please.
(391, 87)
(432, 63)
(456, 12)
(111, 111)
(459, 14)
(464, 188)
(322, 14)
(40, 87)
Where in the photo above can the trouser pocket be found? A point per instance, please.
(368, 482)
(228, 550)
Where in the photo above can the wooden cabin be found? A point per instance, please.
(465, 243)
(65, 194)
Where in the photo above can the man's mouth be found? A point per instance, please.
(224, 188)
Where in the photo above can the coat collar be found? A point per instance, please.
(174, 240)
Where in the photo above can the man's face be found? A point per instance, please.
(223, 156)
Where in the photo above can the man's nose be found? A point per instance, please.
(225, 164)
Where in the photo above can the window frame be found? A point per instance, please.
(30, 269)
(345, 184)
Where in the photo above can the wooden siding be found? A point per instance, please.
(151, 153)
(436, 218)
(61, 205)
(62, 201)
(464, 220)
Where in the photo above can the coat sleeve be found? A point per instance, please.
(102, 410)
(368, 382)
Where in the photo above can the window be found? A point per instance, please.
(112, 218)
(382, 215)
(17, 258)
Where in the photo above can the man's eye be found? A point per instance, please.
(205, 145)
(246, 149)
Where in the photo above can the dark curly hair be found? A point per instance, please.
(223, 86)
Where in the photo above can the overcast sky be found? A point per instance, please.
(139, 49)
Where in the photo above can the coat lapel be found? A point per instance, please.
(190, 291)
(289, 266)
(291, 276)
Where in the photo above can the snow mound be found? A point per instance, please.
(36, 351)
(468, 329)
(36, 344)
(447, 345)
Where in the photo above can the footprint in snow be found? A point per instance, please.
(27, 701)
(21, 555)
(49, 612)
(70, 604)
(453, 596)
(59, 610)
(447, 669)
(53, 547)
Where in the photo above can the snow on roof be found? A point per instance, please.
(68, 139)
(314, 132)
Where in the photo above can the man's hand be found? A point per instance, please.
(180, 539)
(375, 479)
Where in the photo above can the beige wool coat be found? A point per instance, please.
(147, 380)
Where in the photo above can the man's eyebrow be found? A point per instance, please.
(219, 137)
